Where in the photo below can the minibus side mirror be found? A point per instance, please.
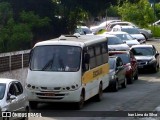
(86, 58)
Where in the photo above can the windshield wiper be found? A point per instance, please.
(49, 63)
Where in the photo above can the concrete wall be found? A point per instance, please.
(19, 74)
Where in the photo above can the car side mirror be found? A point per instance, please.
(12, 97)
(86, 58)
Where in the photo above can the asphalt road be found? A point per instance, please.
(142, 95)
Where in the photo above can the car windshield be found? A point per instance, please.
(2, 90)
(114, 41)
(83, 30)
(124, 57)
(87, 30)
(124, 37)
(111, 63)
(144, 51)
(131, 30)
(55, 58)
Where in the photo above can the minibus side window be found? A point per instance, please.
(104, 53)
(92, 57)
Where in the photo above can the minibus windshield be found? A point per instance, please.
(56, 58)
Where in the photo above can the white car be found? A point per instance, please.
(157, 23)
(115, 43)
(13, 97)
(127, 38)
(146, 32)
(102, 25)
(134, 32)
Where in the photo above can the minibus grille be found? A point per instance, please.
(51, 88)
(50, 95)
(49, 98)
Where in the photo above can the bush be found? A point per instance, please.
(155, 30)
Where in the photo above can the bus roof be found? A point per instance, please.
(73, 40)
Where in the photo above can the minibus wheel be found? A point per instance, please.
(98, 97)
(80, 104)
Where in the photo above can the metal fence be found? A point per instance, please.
(14, 60)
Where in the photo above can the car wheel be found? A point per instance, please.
(136, 76)
(155, 69)
(80, 104)
(33, 104)
(130, 79)
(124, 84)
(158, 67)
(145, 37)
(115, 86)
(98, 97)
(26, 111)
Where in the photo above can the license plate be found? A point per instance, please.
(49, 94)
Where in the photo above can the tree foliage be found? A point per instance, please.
(24, 22)
(140, 13)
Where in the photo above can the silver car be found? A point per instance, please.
(12, 96)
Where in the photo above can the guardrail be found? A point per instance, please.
(14, 60)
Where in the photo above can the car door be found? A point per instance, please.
(121, 69)
(118, 71)
(133, 63)
(21, 97)
(12, 104)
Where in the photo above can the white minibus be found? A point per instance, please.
(68, 69)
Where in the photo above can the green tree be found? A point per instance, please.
(112, 11)
(139, 13)
(157, 11)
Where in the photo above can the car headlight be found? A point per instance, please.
(152, 60)
(112, 77)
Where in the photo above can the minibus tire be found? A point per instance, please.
(80, 104)
(98, 97)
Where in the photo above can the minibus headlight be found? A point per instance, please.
(28, 85)
(73, 87)
(33, 87)
(68, 88)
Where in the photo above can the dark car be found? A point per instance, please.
(117, 73)
(147, 57)
(129, 62)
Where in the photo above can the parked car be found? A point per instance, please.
(147, 57)
(13, 96)
(116, 73)
(146, 32)
(125, 37)
(102, 25)
(132, 31)
(83, 30)
(157, 23)
(129, 62)
(115, 43)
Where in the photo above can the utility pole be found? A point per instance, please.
(154, 13)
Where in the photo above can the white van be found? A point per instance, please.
(68, 69)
